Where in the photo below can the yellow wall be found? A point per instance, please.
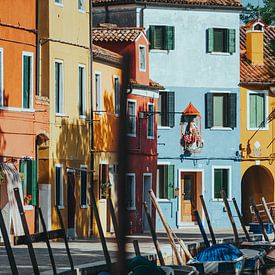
(69, 134)
(105, 129)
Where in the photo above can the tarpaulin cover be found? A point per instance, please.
(219, 252)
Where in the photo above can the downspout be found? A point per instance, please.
(91, 124)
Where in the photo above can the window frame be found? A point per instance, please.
(83, 166)
(135, 128)
(2, 78)
(60, 4)
(61, 206)
(134, 192)
(117, 112)
(225, 167)
(29, 54)
(80, 10)
(82, 113)
(153, 126)
(61, 95)
(265, 93)
(139, 55)
(98, 96)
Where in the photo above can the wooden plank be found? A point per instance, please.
(268, 214)
(8, 245)
(47, 240)
(100, 230)
(136, 247)
(230, 216)
(26, 231)
(241, 220)
(65, 238)
(256, 211)
(153, 234)
(208, 220)
(113, 217)
(167, 228)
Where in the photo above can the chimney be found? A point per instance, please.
(255, 42)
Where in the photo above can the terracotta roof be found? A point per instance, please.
(152, 84)
(101, 53)
(115, 34)
(262, 74)
(222, 3)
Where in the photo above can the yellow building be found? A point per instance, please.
(257, 113)
(107, 78)
(65, 74)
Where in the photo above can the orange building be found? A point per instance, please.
(23, 112)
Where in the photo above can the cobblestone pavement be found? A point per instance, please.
(83, 252)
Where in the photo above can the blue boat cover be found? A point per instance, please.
(219, 252)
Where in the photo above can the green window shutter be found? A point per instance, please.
(152, 31)
(252, 111)
(217, 183)
(231, 40)
(169, 38)
(164, 110)
(171, 108)
(21, 170)
(232, 110)
(260, 111)
(26, 81)
(170, 182)
(34, 181)
(208, 110)
(210, 40)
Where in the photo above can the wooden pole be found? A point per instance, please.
(153, 234)
(241, 220)
(8, 245)
(267, 212)
(113, 217)
(208, 220)
(136, 247)
(256, 211)
(230, 216)
(167, 228)
(26, 231)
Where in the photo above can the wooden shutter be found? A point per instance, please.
(210, 40)
(57, 186)
(170, 181)
(152, 37)
(26, 81)
(21, 170)
(208, 110)
(232, 110)
(231, 40)
(171, 108)
(33, 177)
(169, 38)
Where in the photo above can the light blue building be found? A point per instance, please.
(195, 55)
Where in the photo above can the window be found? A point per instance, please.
(130, 191)
(117, 95)
(82, 90)
(162, 37)
(142, 58)
(59, 185)
(131, 113)
(257, 110)
(59, 87)
(98, 92)
(27, 72)
(221, 110)
(221, 181)
(221, 40)
(103, 180)
(81, 6)
(166, 109)
(1, 78)
(28, 170)
(58, 2)
(150, 121)
(83, 186)
(165, 181)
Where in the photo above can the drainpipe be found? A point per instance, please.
(91, 124)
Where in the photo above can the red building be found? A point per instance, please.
(142, 120)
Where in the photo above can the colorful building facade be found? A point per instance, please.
(257, 113)
(65, 74)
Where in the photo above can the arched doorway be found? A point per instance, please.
(257, 182)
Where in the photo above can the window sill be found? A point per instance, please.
(220, 53)
(15, 109)
(220, 200)
(131, 208)
(28, 207)
(221, 129)
(61, 5)
(131, 135)
(163, 200)
(81, 11)
(164, 128)
(84, 206)
(61, 207)
(61, 115)
(82, 117)
(151, 138)
(160, 51)
(258, 129)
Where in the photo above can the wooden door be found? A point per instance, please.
(188, 194)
